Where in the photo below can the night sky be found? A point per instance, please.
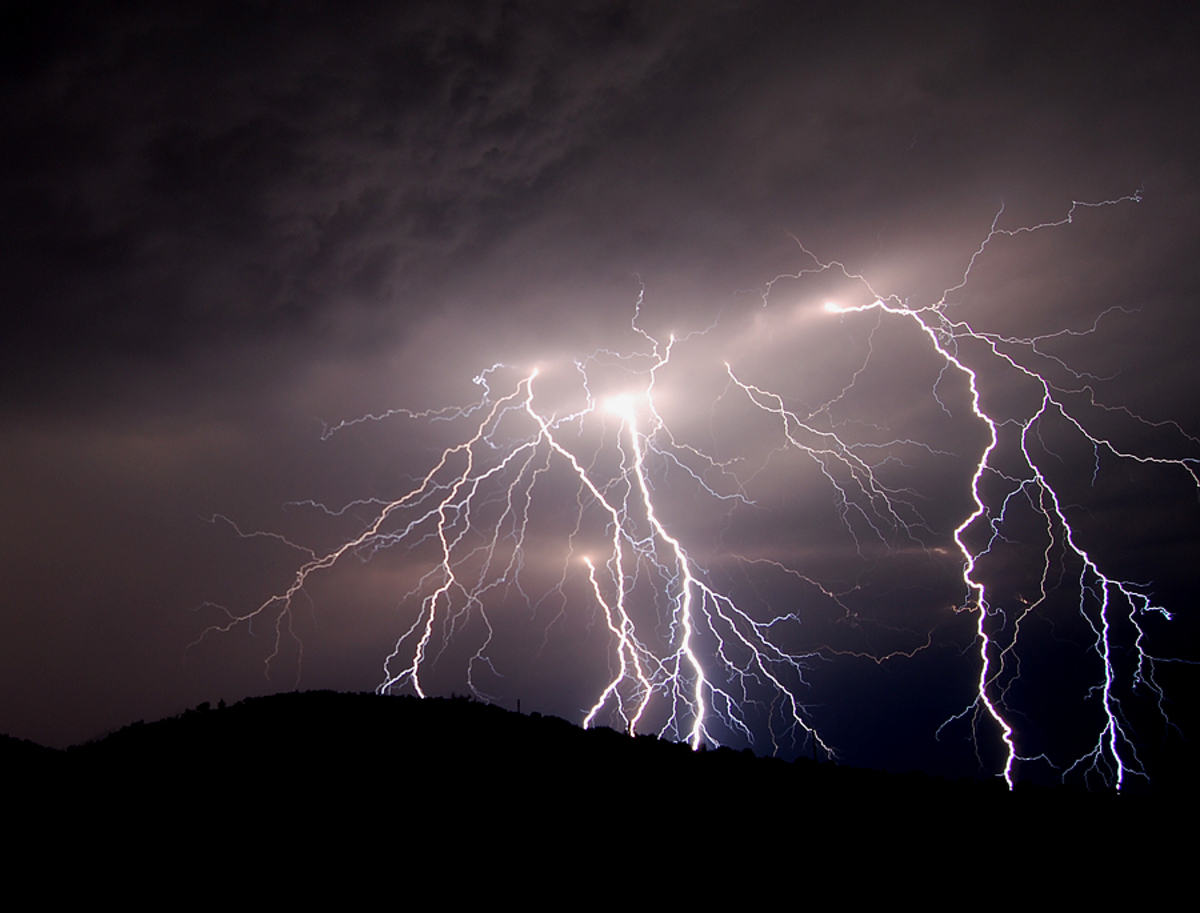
(231, 227)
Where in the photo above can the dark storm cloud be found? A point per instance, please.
(227, 224)
(175, 180)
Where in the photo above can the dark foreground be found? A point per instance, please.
(318, 795)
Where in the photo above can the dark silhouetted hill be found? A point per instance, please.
(316, 782)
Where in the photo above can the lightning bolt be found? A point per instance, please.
(1113, 755)
(586, 444)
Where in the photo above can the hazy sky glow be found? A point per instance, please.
(233, 228)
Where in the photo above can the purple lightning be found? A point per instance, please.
(572, 466)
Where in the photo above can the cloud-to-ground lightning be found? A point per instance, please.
(568, 490)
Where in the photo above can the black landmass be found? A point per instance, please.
(312, 788)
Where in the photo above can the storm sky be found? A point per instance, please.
(231, 226)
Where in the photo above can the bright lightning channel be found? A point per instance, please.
(685, 660)
(1114, 755)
